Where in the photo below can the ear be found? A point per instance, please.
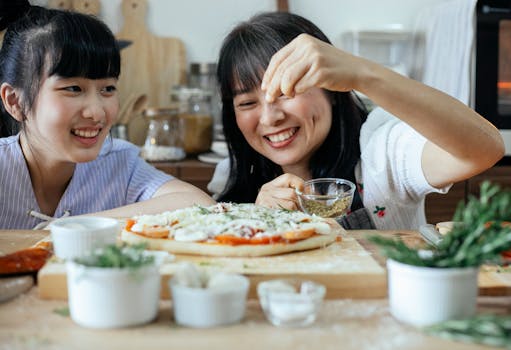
(12, 101)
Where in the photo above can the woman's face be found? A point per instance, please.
(71, 118)
(288, 131)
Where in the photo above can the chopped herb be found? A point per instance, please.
(482, 234)
(203, 210)
(494, 330)
(246, 266)
(62, 311)
(118, 257)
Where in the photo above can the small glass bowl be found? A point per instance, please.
(291, 302)
(326, 197)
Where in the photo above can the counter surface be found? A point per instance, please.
(29, 322)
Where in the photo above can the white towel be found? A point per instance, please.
(448, 29)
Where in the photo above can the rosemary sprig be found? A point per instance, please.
(483, 233)
(494, 330)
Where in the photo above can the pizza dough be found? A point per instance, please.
(215, 249)
(228, 229)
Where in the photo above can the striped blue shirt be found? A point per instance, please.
(117, 177)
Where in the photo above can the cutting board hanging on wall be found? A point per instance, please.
(151, 65)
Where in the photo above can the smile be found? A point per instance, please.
(86, 133)
(282, 136)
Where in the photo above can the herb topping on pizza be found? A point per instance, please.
(230, 224)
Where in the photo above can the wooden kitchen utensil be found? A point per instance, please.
(151, 65)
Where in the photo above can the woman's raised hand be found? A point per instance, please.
(309, 62)
(280, 192)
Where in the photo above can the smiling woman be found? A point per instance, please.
(58, 74)
(290, 114)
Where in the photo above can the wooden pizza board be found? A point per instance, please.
(345, 268)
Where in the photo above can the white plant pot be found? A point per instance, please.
(422, 296)
(112, 297)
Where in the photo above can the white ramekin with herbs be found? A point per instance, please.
(116, 286)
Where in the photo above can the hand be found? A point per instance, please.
(280, 193)
(309, 62)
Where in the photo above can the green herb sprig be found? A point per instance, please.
(483, 232)
(494, 330)
(115, 256)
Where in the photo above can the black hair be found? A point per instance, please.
(244, 56)
(42, 42)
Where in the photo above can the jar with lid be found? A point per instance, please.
(195, 113)
(164, 141)
(203, 75)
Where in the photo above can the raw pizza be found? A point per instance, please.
(227, 229)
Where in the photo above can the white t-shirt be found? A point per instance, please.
(389, 175)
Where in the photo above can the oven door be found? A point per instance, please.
(493, 62)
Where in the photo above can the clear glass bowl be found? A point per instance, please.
(291, 302)
(326, 197)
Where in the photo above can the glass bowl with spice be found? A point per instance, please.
(326, 197)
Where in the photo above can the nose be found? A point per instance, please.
(94, 108)
(271, 114)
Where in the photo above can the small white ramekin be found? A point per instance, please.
(291, 302)
(113, 297)
(73, 237)
(423, 296)
(209, 307)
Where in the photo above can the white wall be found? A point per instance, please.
(202, 24)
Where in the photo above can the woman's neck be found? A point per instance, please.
(49, 177)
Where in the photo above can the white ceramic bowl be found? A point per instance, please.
(209, 307)
(326, 197)
(422, 296)
(73, 237)
(291, 302)
(112, 297)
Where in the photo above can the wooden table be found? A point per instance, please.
(28, 322)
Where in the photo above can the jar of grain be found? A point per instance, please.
(195, 112)
(164, 141)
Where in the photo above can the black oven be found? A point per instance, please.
(493, 62)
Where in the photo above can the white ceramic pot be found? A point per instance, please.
(209, 307)
(73, 237)
(422, 296)
(112, 297)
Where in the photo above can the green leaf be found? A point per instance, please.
(480, 236)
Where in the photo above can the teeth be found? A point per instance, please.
(282, 136)
(86, 133)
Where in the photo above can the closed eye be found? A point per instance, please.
(72, 88)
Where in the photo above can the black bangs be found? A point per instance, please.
(246, 57)
(83, 49)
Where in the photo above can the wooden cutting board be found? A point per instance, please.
(14, 240)
(345, 268)
(151, 65)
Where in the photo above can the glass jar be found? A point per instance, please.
(195, 113)
(164, 141)
(203, 76)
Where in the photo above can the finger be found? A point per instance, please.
(275, 62)
(287, 181)
(285, 77)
